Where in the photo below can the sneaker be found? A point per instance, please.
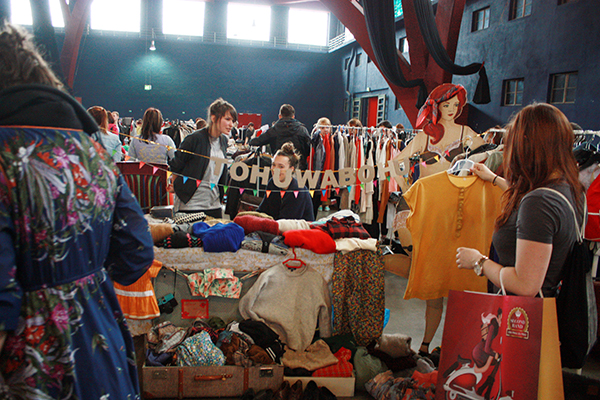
(326, 208)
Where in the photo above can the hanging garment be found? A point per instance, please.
(291, 302)
(448, 212)
(138, 300)
(358, 295)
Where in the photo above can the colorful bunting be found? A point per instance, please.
(185, 178)
(241, 190)
(296, 193)
(268, 193)
(282, 193)
(198, 182)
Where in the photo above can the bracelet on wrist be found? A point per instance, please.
(494, 180)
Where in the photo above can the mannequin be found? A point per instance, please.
(440, 140)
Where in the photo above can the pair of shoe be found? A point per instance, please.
(266, 394)
(314, 392)
(287, 392)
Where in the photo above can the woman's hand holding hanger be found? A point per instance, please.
(482, 171)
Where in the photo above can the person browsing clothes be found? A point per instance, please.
(292, 205)
(192, 161)
(536, 229)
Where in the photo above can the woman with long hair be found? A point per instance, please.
(535, 230)
(203, 187)
(152, 146)
(111, 142)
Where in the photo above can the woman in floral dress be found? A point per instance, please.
(68, 225)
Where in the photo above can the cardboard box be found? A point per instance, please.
(341, 387)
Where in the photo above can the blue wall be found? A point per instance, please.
(553, 39)
(187, 76)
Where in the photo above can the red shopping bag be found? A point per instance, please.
(499, 347)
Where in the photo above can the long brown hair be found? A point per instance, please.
(151, 124)
(539, 152)
(101, 116)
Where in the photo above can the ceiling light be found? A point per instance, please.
(152, 46)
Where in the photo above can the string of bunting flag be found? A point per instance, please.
(346, 177)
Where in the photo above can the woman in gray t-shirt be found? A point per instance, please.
(535, 230)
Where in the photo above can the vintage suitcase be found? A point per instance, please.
(198, 382)
(201, 382)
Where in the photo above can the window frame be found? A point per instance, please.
(514, 8)
(182, 33)
(357, 61)
(232, 35)
(565, 89)
(506, 92)
(476, 19)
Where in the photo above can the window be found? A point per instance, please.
(248, 21)
(357, 61)
(127, 19)
(520, 8)
(481, 19)
(396, 104)
(513, 92)
(346, 63)
(21, 13)
(308, 27)
(403, 45)
(348, 36)
(563, 88)
(183, 17)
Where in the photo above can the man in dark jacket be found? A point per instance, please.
(286, 129)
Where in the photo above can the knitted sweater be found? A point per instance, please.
(291, 302)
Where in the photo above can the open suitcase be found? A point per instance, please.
(211, 381)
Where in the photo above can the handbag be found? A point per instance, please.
(498, 346)
(576, 300)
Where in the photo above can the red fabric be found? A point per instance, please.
(342, 369)
(326, 164)
(592, 228)
(347, 227)
(311, 239)
(252, 223)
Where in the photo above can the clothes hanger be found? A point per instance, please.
(461, 166)
(295, 262)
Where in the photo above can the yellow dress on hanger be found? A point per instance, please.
(447, 212)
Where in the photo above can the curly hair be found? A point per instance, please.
(21, 62)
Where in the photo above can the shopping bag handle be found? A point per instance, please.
(502, 284)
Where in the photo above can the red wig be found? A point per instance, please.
(429, 113)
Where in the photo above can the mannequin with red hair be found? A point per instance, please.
(440, 140)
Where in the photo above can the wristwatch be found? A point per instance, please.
(479, 265)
